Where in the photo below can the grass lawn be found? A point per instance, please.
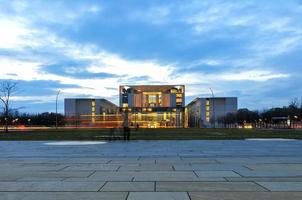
(151, 134)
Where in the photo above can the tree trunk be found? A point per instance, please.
(6, 119)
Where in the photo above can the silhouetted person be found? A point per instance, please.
(112, 133)
(136, 127)
(126, 133)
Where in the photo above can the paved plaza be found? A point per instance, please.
(161, 170)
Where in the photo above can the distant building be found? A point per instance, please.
(153, 106)
(81, 111)
(205, 112)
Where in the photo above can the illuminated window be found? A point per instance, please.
(159, 99)
(152, 100)
(207, 111)
(125, 105)
(174, 90)
(178, 95)
(93, 110)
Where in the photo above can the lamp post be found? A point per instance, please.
(57, 108)
(213, 102)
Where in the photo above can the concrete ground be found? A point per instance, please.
(196, 170)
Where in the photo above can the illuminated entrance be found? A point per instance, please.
(153, 106)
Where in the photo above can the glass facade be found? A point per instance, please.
(153, 106)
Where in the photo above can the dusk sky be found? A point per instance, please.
(251, 49)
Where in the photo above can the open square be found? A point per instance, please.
(196, 170)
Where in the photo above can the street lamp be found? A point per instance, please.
(213, 102)
(57, 108)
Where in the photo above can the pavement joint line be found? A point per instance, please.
(91, 174)
(195, 174)
(63, 179)
(189, 196)
(62, 168)
(261, 186)
(248, 167)
(227, 180)
(127, 195)
(236, 173)
(118, 168)
(102, 186)
(191, 181)
(58, 191)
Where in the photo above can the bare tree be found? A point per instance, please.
(294, 103)
(7, 89)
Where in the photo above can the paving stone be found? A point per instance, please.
(29, 167)
(50, 186)
(158, 195)
(195, 160)
(101, 167)
(210, 167)
(109, 176)
(164, 176)
(149, 167)
(210, 179)
(24, 179)
(276, 166)
(245, 195)
(264, 179)
(216, 174)
(129, 186)
(33, 166)
(207, 186)
(125, 160)
(266, 173)
(43, 174)
(63, 195)
(88, 160)
(282, 186)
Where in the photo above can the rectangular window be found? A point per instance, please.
(207, 111)
(93, 110)
(152, 100)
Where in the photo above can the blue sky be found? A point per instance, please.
(251, 49)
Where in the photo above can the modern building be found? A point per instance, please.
(149, 106)
(205, 112)
(84, 111)
(153, 106)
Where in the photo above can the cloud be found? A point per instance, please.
(89, 49)
(253, 76)
(57, 12)
(13, 33)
